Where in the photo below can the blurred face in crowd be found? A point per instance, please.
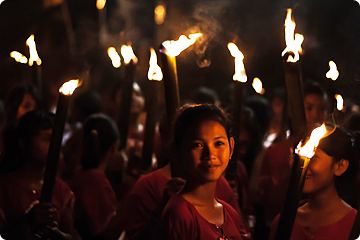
(40, 146)
(314, 109)
(28, 104)
(206, 151)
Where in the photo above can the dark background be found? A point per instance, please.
(331, 29)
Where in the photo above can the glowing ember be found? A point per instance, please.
(100, 4)
(333, 73)
(18, 57)
(257, 85)
(173, 48)
(308, 150)
(69, 87)
(160, 13)
(293, 44)
(114, 56)
(240, 74)
(34, 57)
(128, 54)
(339, 102)
(154, 72)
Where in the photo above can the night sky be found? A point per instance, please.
(331, 29)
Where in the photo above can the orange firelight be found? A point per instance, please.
(173, 48)
(333, 73)
(18, 57)
(257, 85)
(100, 4)
(114, 56)
(293, 44)
(34, 57)
(240, 74)
(308, 150)
(154, 72)
(128, 54)
(339, 102)
(69, 87)
(160, 13)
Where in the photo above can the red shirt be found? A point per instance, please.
(181, 220)
(147, 194)
(95, 198)
(339, 230)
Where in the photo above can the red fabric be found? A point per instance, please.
(339, 230)
(15, 198)
(182, 221)
(95, 198)
(147, 194)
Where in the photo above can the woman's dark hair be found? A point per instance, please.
(99, 133)
(18, 140)
(340, 144)
(188, 115)
(15, 97)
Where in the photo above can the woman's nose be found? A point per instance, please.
(208, 152)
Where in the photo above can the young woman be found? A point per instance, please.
(95, 199)
(20, 190)
(331, 174)
(203, 146)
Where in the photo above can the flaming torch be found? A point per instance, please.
(291, 56)
(36, 68)
(130, 61)
(155, 76)
(333, 73)
(302, 155)
(65, 92)
(18, 57)
(168, 52)
(100, 5)
(114, 56)
(257, 85)
(339, 102)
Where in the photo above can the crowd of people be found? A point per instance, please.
(101, 191)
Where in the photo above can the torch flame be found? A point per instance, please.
(160, 13)
(308, 150)
(333, 73)
(18, 57)
(100, 4)
(34, 57)
(128, 54)
(293, 44)
(154, 72)
(240, 74)
(257, 85)
(173, 48)
(69, 87)
(339, 102)
(114, 56)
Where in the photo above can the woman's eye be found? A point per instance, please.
(219, 143)
(196, 145)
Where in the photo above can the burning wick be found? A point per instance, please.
(18, 57)
(257, 85)
(69, 87)
(240, 74)
(173, 48)
(308, 150)
(100, 4)
(114, 56)
(154, 72)
(293, 44)
(333, 73)
(34, 57)
(128, 54)
(160, 13)
(339, 102)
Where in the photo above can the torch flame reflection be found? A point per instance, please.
(18, 57)
(114, 56)
(257, 85)
(240, 74)
(160, 13)
(293, 44)
(100, 4)
(333, 73)
(128, 54)
(339, 102)
(173, 48)
(34, 57)
(308, 150)
(154, 72)
(69, 87)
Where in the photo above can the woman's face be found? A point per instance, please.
(321, 173)
(28, 104)
(40, 146)
(206, 151)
